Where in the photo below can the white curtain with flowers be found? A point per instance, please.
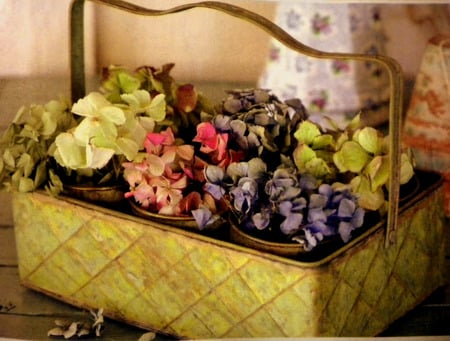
(342, 88)
(331, 86)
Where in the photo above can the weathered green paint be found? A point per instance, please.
(188, 285)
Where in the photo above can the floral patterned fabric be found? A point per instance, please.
(329, 86)
(427, 129)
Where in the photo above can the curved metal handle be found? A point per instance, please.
(393, 68)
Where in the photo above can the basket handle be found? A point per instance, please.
(393, 68)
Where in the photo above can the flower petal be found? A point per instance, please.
(292, 223)
(90, 104)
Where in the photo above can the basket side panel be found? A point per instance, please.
(179, 284)
(156, 278)
(401, 276)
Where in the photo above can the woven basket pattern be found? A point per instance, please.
(187, 285)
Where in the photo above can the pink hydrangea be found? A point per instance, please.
(213, 144)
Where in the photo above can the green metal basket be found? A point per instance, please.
(189, 285)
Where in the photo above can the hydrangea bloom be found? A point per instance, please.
(332, 211)
(304, 211)
(164, 181)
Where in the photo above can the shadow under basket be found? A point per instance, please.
(188, 285)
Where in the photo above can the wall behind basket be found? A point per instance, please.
(205, 44)
(209, 45)
(34, 38)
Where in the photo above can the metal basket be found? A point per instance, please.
(188, 285)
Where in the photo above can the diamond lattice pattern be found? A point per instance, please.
(187, 285)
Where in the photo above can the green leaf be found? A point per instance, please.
(89, 105)
(406, 169)
(317, 168)
(307, 132)
(134, 130)
(20, 115)
(302, 155)
(97, 157)
(68, 153)
(89, 128)
(25, 185)
(367, 199)
(49, 123)
(323, 141)
(112, 114)
(138, 99)
(368, 138)
(378, 172)
(8, 158)
(127, 82)
(263, 119)
(29, 132)
(355, 123)
(341, 139)
(147, 123)
(157, 108)
(26, 163)
(127, 147)
(41, 174)
(266, 139)
(103, 142)
(54, 186)
(351, 157)
(56, 106)
(15, 178)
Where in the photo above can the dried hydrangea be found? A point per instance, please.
(258, 123)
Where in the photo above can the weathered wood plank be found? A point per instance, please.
(36, 328)
(8, 255)
(5, 209)
(26, 314)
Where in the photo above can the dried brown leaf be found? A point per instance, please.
(62, 323)
(147, 336)
(57, 331)
(98, 330)
(98, 321)
(71, 331)
(83, 332)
